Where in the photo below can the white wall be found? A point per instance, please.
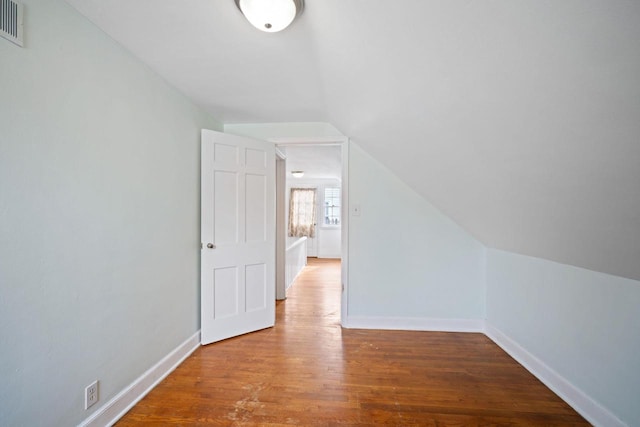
(316, 130)
(406, 259)
(99, 217)
(583, 325)
(327, 239)
(329, 244)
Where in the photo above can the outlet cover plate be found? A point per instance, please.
(91, 395)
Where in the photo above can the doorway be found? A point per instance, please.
(324, 168)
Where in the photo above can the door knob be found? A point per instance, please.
(211, 246)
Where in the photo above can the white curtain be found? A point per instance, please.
(302, 212)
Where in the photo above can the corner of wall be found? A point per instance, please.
(591, 410)
(562, 322)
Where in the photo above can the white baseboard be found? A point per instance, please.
(414, 324)
(591, 410)
(114, 409)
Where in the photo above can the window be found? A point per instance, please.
(331, 206)
(302, 212)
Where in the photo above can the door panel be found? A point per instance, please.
(225, 205)
(256, 216)
(225, 290)
(256, 284)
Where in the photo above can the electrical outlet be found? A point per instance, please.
(91, 394)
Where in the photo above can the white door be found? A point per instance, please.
(312, 245)
(238, 236)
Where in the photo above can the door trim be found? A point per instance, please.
(281, 224)
(343, 142)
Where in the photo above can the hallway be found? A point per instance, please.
(308, 371)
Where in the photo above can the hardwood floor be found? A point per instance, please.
(307, 370)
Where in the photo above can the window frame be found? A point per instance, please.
(321, 206)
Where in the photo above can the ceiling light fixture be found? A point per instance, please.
(270, 15)
(297, 174)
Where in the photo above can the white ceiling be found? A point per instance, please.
(316, 161)
(518, 119)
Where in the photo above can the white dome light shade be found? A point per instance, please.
(270, 15)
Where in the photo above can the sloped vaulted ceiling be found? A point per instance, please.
(518, 119)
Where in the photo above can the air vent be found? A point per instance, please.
(11, 21)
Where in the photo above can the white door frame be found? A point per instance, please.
(343, 142)
(281, 224)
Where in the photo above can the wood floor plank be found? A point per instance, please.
(307, 370)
